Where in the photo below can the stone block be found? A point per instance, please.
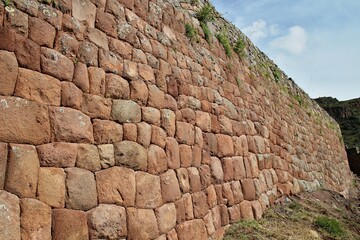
(205, 175)
(9, 216)
(142, 224)
(246, 210)
(71, 95)
(157, 160)
(70, 125)
(227, 194)
(51, 186)
(69, 224)
(119, 47)
(35, 219)
(130, 131)
(172, 152)
(3, 162)
(170, 189)
(18, 21)
(88, 53)
(81, 189)
(203, 121)
(107, 221)
(81, 77)
(22, 170)
(210, 143)
(8, 72)
(84, 11)
(239, 168)
(106, 153)
(54, 64)
(131, 154)
(7, 35)
(194, 179)
(51, 15)
(146, 73)
(110, 62)
(234, 213)
(148, 190)
(27, 53)
(185, 133)
(68, 45)
(237, 192)
(257, 209)
(74, 26)
(158, 136)
(211, 196)
(168, 122)
(88, 157)
(38, 87)
(144, 134)
(116, 87)
(96, 106)
(59, 154)
(107, 131)
(106, 22)
(193, 229)
(130, 71)
(228, 169)
(97, 81)
(116, 185)
(201, 206)
(98, 37)
(126, 111)
(166, 217)
(248, 188)
(216, 170)
(37, 27)
(151, 115)
(225, 145)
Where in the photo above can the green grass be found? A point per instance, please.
(330, 226)
(206, 13)
(239, 46)
(225, 42)
(207, 32)
(190, 32)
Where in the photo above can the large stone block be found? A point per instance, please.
(157, 160)
(59, 154)
(183, 177)
(69, 224)
(70, 125)
(27, 53)
(97, 81)
(71, 95)
(81, 189)
(37, 28)
(158, 136)
(131, 154)
(170, 189)
(23, 121)
(144, 134)
(107, 222)
(88, 157)
(173, 153)
(246, 210)
(216, 170)
(38, 87)
(22, 170)
(98, 37)
(96, 106)
(185, 133)
(194, 229)
(51, 186)
(225, 145)
(8, 72)
(84, 10)
(116, 185)
(35, 219)
(142, 224)
(168, 121)
(9, 216)
(201, 206)
(57, 65)
(3, 163)
(116, 87)
(248, 188)
(166, 217)
(106, 153)
(126, 111)
(148, 190)
(107, 131)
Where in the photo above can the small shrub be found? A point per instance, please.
(206, 13)
(194, 2)
(330, 225)
(224, 40)
(190, 32)
(207, 32)
(239, 46)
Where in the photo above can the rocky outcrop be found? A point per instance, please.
(115, 125)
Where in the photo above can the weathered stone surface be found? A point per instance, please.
(200, 204)
(51, 186)
(116, 185)
(186, 156)
(68, 45)
(81, 77)
(88, 53)
(106, 153)
(37, 28)
(168, 122)
(23, 121)
(126, 111)
(194, 229)
(139, 91)
(148, 190)
(97, 81)
(59, 154)
(3, 162)
(183, 177)
(7, 34)
(142, 224)
(157, 160)
(208, 220)
(107, 131)
(84, 11)
(110, 62)
(130, 131)
(166, 217)
(144, 134)
(35, 219)
(246, 210)
(203, 121)
(71, 95)
(107, 221)
(225, 145)
(8, 72)
(172, 152)
(158, 136)
(116, 87)
(38, 87)
(9, 216)
(185, 133)
(70, 125)
(88, 157)
(151, 115)
(81, 189)
(239, 168)
(98, 37)
(69, 224)
(96, 106)
(248, 188)
(131, 154)
(216, 170)
(27, 53)
(54, 63)
(170, 189)
(22, 170)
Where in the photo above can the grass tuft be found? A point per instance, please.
(329, 225)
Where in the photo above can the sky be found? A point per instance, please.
(315, 42)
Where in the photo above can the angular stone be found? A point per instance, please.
(27, 53)
(131, 154)
(107, 131)
(96, 106)
(234, 213)
(228, 169)
(88, 53)
(203, 121)
(239, 168)
(157, 160)
(106, 153)
(88, 157)
(18, 21)
(168, 121)
(8, 72)
(237, 192)
(98, 37)
(228, 194)
(9, 216)
(210, 143)
(84, 11)
(106, 23)
(172, 152)
(211, 196)
(57, 154)
(257, 209)
(195, 181)
(35, 219)
(148, 190)
(37, 27)
(38, 87)
(116, 185)
(151, 115)
(97, 81)
(74, 26)
(166, 217)
(130, 70)
(246, 210)
(81, 189)
(200, 204)
(146, 73)
(185, 133)
(68, 45)
(69, 224)
(7, 35)
(130, 131)
(119, 47)
(3, 162)
(22, 170)
(139, 92)
(51, 15)
(70, 125)
(71, 95)
(51, 186)
(158, 136)
(194, 229)
(126, 111)
(156, 97)
(225, 145)
(205, 175)
(186, 156)
(81, 77)
(216, 170)
(170, 189)
(116, 87)
(107, 221)
(110, 62)
(142, 224)
(54, 64)
(248, 188)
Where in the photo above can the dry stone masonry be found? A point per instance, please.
(114, 125)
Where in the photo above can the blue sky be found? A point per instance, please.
(316, 42)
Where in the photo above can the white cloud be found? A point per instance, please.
(260, 29)
(294, 42)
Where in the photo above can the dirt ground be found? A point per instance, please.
(318, 215)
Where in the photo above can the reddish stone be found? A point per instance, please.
(106, 153)
(146, 73)
(156, 97)
(205, 176)
(22, 170)
(110, 62)
(70, 125)
(69, 224)
(126, 111)
(237, 192)
(166, 217)
(210, 143)
(27, 53)
(144, 134)
(211, 196)
(241, 146)
(246, 210)
(131, 154)
(194, 177)
(10, 216)
(88, 53)
(107, 131)
(106, 23)
(57, 154)
(97, 81)
(194, 229)
(216, 170)
(3, 161)
(151, 115)
(116, 185)
(139, 92)
(157, 160)
(225, 125)
(130, 70)
(168, 122)
(228, 168)
(234, 213)
(88, 157)
(188, 115)
(127, 3)
(38, 87)
(81, 78)
(54, 64)
(185, 133)
(96, 106)
(170, 189)
(158, 136)
(7, 36)
(37, 27)
(51, 15)
(225, 145)
(140, 57)
(35, 219)
(116, 87)
(18, 21)
(73, 26)
(142, 224)
(257, 209)
(8, 72)
(148, 190)
(130, 131)
(71, 96)
(172, 152)
(67, 45)
(51, 187)
(248, 188)
(203, 121)
(121, 48)
(84, 11)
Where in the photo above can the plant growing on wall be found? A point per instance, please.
(207, 32)
(239, 47)
(190, 32)
(225, 42)
(206, 14)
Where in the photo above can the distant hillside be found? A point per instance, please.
(347, 114)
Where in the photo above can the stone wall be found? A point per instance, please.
(114, 125)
